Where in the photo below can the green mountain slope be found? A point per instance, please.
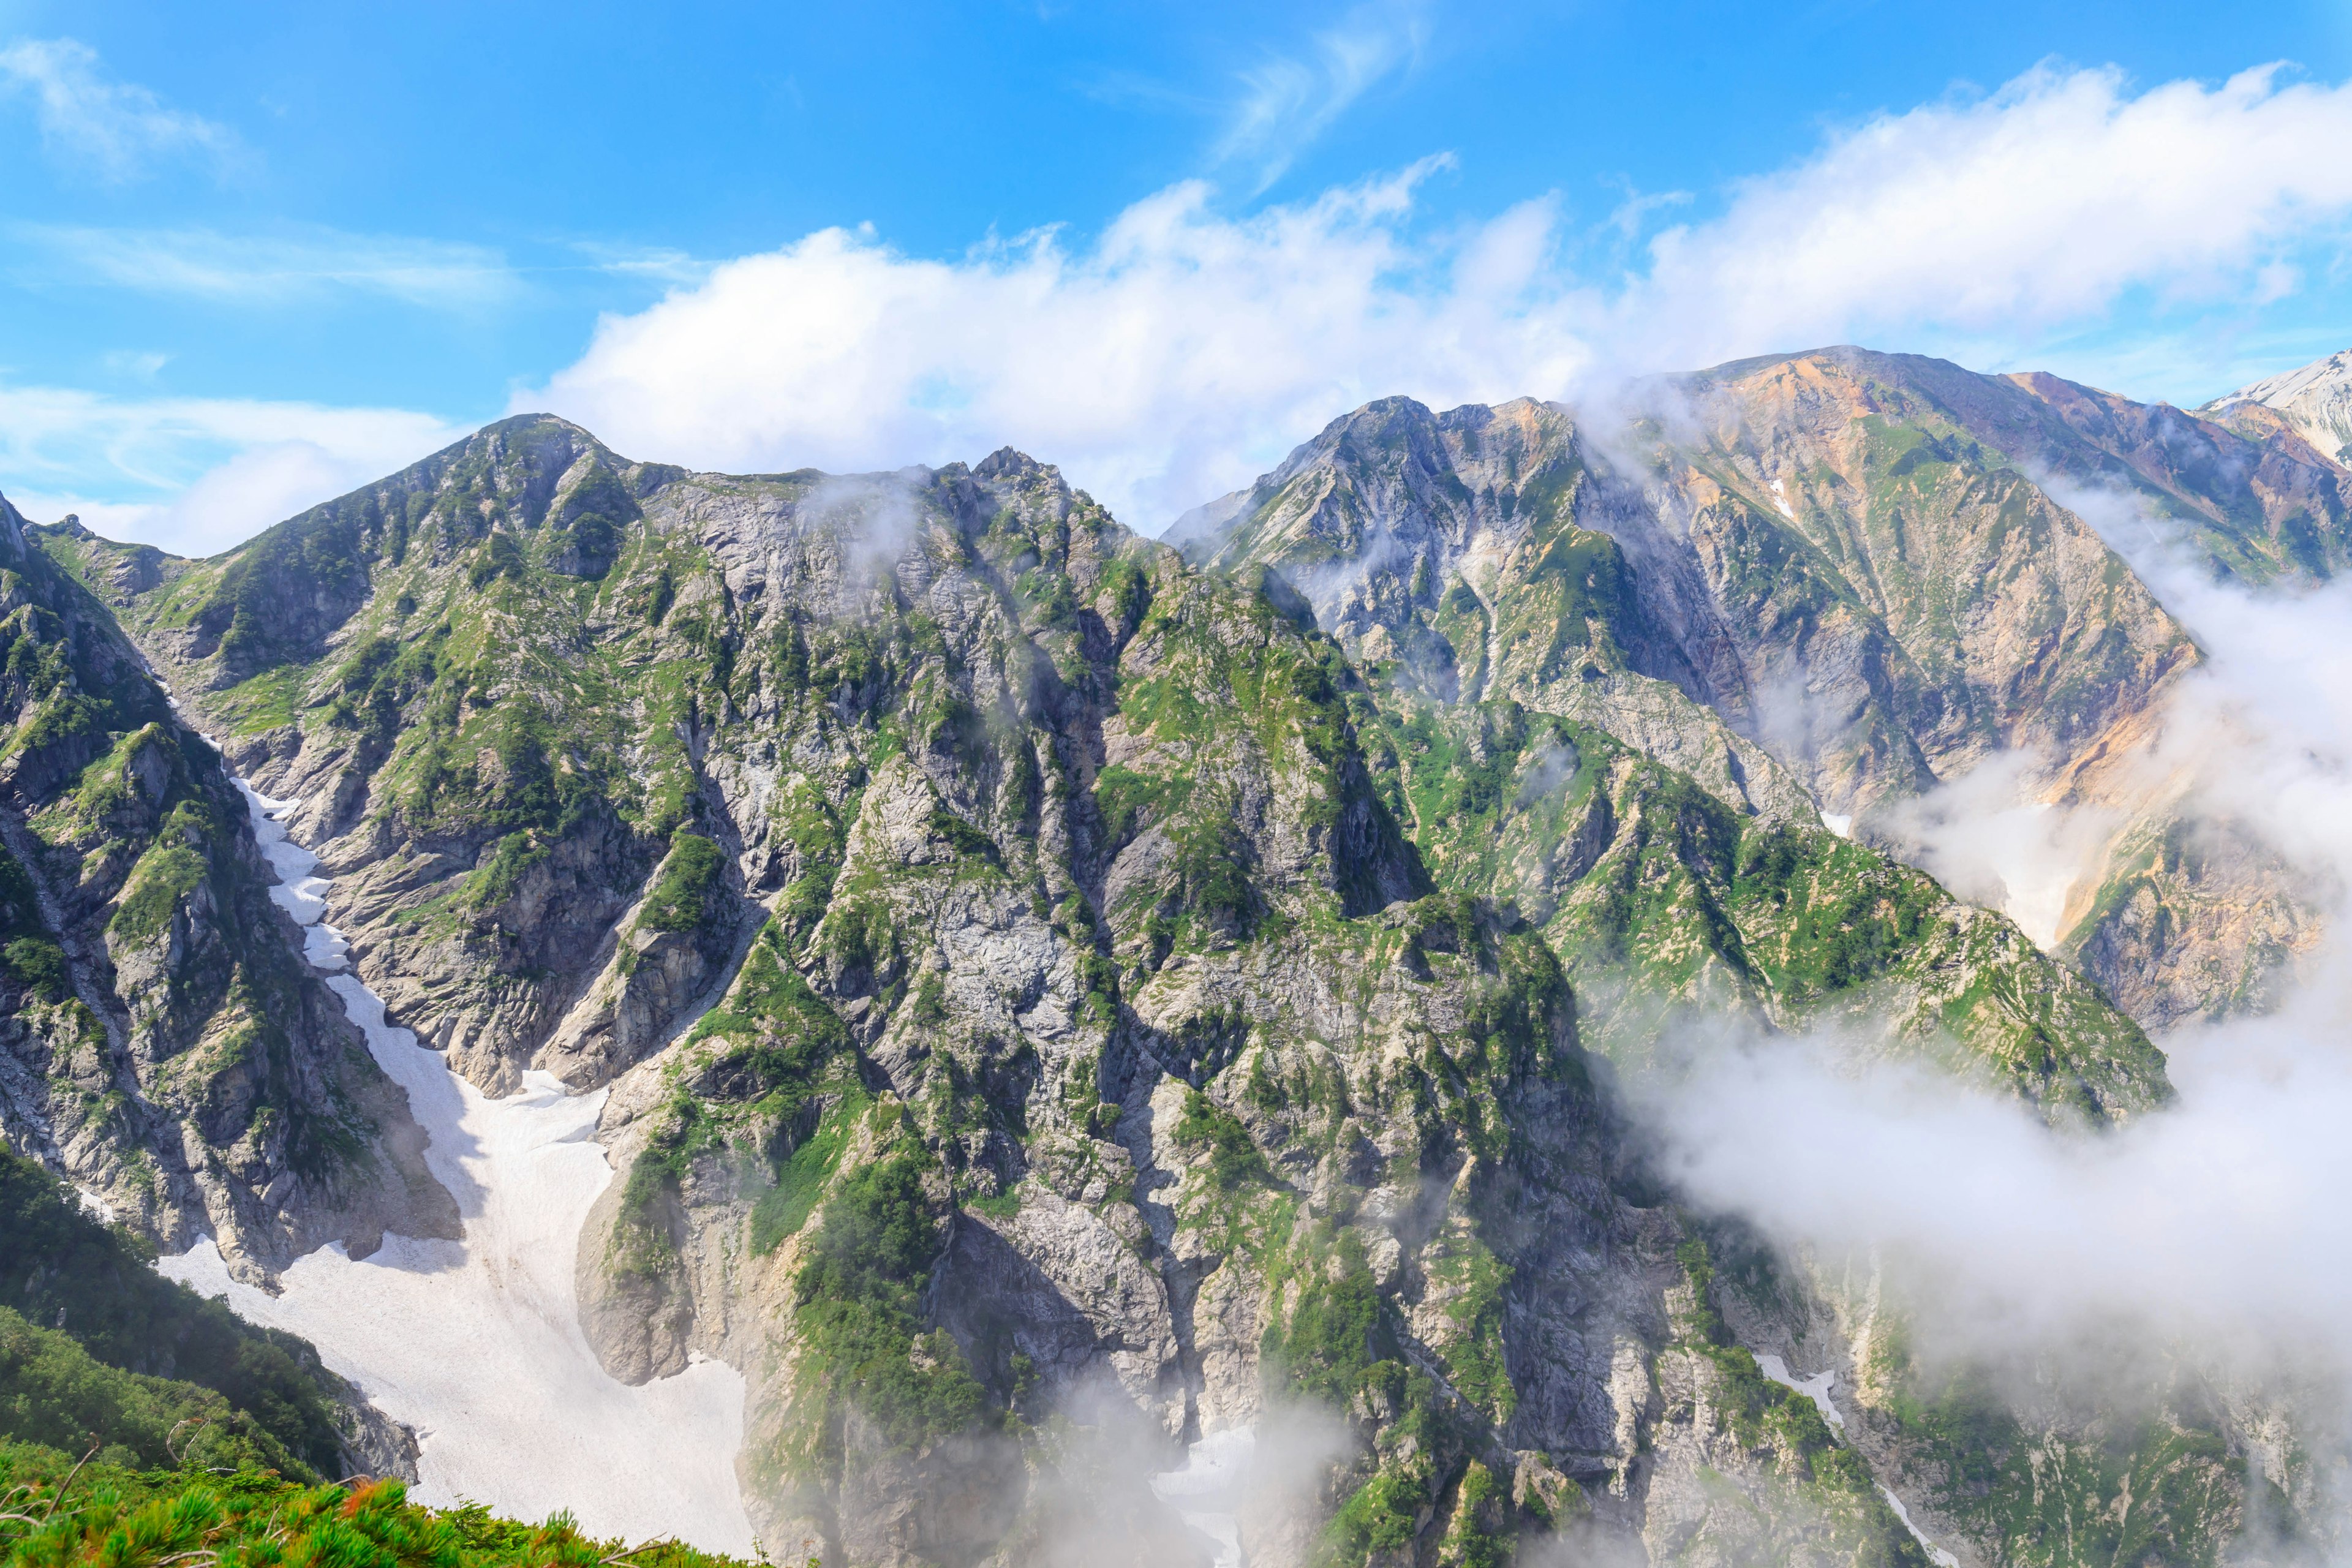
(96, 1346)
(1835, 578)
(163, 1043)
(1059, 1000)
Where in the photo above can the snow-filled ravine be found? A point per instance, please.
(476, 1344)
(1207, 1492)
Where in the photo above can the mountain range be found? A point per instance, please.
(1064, 999)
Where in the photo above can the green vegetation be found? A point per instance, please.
(2131, 1488)
(107, 1321)
(1234, 1158)
(1384, 1516)
(108, 1515)
(1324, 1337)
(792, 1033)
(30, 958)
(262, 702)
(1479, 1536)
(164, 877)
(964, 838)
(1474, 1281)
(680, 896)
(1656, 896)
(54, 1392)
(802, 1178)
(857, 1312)
(1762, 1414)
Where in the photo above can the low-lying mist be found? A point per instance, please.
(2213, 1235)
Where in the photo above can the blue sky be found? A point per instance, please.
(254, 254)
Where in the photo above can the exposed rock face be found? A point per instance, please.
(160, 1043)
(1817, 548)
(1061, 1001)
(1839, 577)
(2315, 402)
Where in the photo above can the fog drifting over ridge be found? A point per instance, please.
(2216, 1227)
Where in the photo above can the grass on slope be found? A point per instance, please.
(93, 1338)
(54, 1514)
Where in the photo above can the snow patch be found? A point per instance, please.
(1207, 1492)
(1838, 822)
(1815, 1388)
(1781, 499)
(1936, 1554)
(477, 1343)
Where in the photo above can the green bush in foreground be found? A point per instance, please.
(54, 1514)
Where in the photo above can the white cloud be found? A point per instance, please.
(1158, 365)
(220, 469)
(2036, 205)
(115, 130)
(2218, 1225)
(1289, 101)
(1183, 351)
(267, 269)
(1989, 839)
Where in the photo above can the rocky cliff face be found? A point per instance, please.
(1062, 1001)
(1836, 579)
(2315, 402)
(1819, 549)
(160, 1042)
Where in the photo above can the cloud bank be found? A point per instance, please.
(1185, 350)
(2215, 1228)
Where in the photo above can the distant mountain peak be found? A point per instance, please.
(2315, 400)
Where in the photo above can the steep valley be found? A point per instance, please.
(1049, 1001)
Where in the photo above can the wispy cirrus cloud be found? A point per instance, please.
(660, 264)
(265, 268)
(115, 130)
(1287, 101)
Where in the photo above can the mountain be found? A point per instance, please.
(95, 1347)
(1842, 574)
(2315, 402)
(163, 1042)
(1062, 1006)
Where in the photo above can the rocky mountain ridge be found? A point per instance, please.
(1062, 1002)
(1842, 576)
(2315, 402)
(165, 1045)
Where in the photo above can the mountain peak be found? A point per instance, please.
(1012, 463)
(2316, 400)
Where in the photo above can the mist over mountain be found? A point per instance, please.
(1743, 971)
